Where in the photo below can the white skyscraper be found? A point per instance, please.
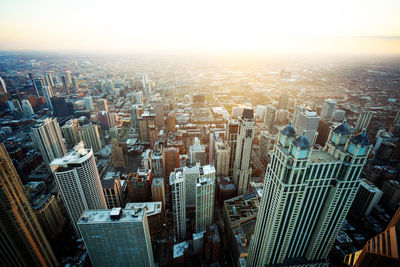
(89, 134)
(197, 152)
(296, 114)
(308, 124)
(205, 193)
(27, 108)
(328, 110)
(139, 98)
(48, 94)
(190, 176)
(222, 155)
(242, 170)
(117, 237)
(47, 136)
(306, 197)
(78, 180)
(177, 184)
(363, 120)
(3, 87)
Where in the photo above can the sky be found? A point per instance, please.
(296, 26)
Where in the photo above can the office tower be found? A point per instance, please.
(281, 116)
(38, 85)
(260, 112)
(3, 87)
(222, 156)
(111, 184)
(50, 80)
(237, 111)
(177, 184)
(159, 114)
(117, 154)
(105, 120)
(328, 110)
(306, 197)
(157, 164)
(89, 134)
(68, 77)
(141, 185)
(144, 123)
(265, 144)
(60, 107)
(70, 132)
(363, 121)
(283, 101)
(48, 211)
(205, 193)
(154, 216)
(391, 193)
(242, 169)
(339, 115)
(102, 104)
(381, 250)
(65, 85)
(366, 198)
(89, 105)
(75, 83)
(146, 159)
(231, 136)
(117, 237)
(22, 240)
(296, 114)
(139, 98)
(158, 190)
(324, 128)
(190, 175)
(48, 94)
(171, 122)
(197, 152)
(14, 106)
(47, 136)
(170, 160)
(27, 108)
(78, 180)
(308, 124)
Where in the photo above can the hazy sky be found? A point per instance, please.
(147, 25)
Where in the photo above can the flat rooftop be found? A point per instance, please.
(321, 156)
(242, 208)
(76, 156)
(103, 216)
(152, 208)
(179, 249)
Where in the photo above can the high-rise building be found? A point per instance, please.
(68, 76)
(144, 123)
(70, 132)
(75, 83)
(27, 108)
(23, 242)
(363, 120)
(283, 101)
(3, 87)
(281, 116)
(171, 122)
(242, 170)
(102, 104)
(306, 196)
(296, 114)
(111, 184)
(205, 194)
(159, 114)
(14, 106)
(78, 180)
(47, 136)
(339, 115)
(270, 116)
(157, 164)
(222, 156)
(141, 185)
(89, 105)
(391, 193)
(328, 110)
(266, 141)
(65, 85)
(61, 107)
(324, 128)
(308, 124)
(119, 160)
(117, 237)
(260, 112)
(49, 79)
(232, 132)
(48, 94)
(368, 195)
(105, 120)
(158, 190)
(37, 85)
(89, 134)
(170, 161)
(139, 98)
(197, 152)
(190, 176)
(177, 184)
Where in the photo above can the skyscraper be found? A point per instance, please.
(190, 176)
(48, 138)
(231, 135)
(298, 109)
(60, 107)
(306, 197)
(89, 134)
(242, 169)
(38, 84)
(363, 120)
(177, 184)
(27, 108)
(65, 85)
(48, 94)
(117, 237)
(158, 190)
(205, 193)
(197, 152)
(284, 101)
(3, 87)
(222, 155)
(70, 132)
(102, 104)
(328, 110)
(78, 180)
(22, 240)
(270, 115)
(307, 123)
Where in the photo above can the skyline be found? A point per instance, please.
(176, 26)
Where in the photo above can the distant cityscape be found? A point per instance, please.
(199, 161)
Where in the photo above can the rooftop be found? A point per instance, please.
(179, 249)
(76, 156)
(104, 216)
(152, 208)
(242, 208)
(321, 155)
